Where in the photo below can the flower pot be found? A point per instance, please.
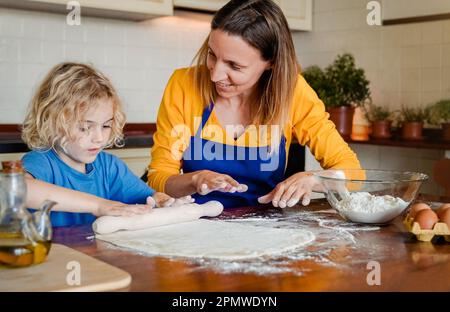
(381, 129)
(412, 130)
(342, 117)
(446, 131)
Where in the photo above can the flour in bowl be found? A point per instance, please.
(367, 203)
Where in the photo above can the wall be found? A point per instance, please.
(406, 64)
(138, 57)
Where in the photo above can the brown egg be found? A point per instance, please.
(416, 208)
(444, 214)
(426, 218)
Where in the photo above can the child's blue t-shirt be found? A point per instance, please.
(107, 177)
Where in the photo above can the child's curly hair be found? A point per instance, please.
(64, 96)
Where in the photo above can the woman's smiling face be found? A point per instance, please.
(235, 66)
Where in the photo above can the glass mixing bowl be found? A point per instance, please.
(367, 195)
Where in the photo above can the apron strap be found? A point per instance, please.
(206, 113)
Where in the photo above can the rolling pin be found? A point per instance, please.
(157, 217)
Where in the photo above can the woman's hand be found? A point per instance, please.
(163, 200)
(206, 181)
(113, 208)
(289, 192)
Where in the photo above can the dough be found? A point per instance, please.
(158, 217)
(211, 239)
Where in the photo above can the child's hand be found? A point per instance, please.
(113, 208)
(163, 200)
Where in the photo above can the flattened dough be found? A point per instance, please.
(211, 239)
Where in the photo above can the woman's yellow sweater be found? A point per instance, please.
(179, 118)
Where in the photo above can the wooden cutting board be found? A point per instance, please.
(60, 267)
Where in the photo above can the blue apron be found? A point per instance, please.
(244, 164)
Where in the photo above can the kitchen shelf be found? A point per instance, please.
(117, 9)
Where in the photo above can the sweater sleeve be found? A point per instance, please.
(312, 127)
(172, 133)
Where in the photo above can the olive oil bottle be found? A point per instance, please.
(17, 251)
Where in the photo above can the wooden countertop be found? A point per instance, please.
(406, 264)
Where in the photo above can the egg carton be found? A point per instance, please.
(439, 229)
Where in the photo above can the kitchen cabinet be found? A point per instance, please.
(120, 9)
(406, 11)
(137, 159)
(298, 12)
(10, 156)
(204, 5)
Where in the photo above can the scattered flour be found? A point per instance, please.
(368, 203)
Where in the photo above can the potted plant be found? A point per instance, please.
(412, 119)
(381, 119)
(439, 113)
(342, 87)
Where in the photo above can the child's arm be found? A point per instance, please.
(75, 201)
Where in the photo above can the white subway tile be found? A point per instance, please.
(136, 35)
(115, 33)
(94, 32)
(135, 79)
(446, 82)
(430, 97)
(117, 76)
(115, 55)
(53, 28)
(74, 33)
(431, 56)
(446, 31)
(30, 50)
(95, 54)
(410, 99)
(412, 35)
(391, 36)
(33, 27)
(74, 52)
(135, 56)
(411, 57)
(445, 54)
(11, 23)
(431, 32)
(53, 52)
(431, 79)
(391, 58)
(9, 50)
(9, 74)
(30, 75)
(410, 80)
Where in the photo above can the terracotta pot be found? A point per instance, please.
(342, 117)
(412, 130)
(381, 129)
(446, 131)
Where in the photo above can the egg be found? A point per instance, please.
(416, 208)
(444, 214)
(426, 218)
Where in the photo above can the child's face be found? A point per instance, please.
(91, 135)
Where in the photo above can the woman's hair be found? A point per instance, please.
(67, 92)
(262, 25)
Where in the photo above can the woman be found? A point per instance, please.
(214, 118)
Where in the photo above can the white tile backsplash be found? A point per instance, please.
(139, 57)
(384, 49)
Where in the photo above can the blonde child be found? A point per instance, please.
(73, 116)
